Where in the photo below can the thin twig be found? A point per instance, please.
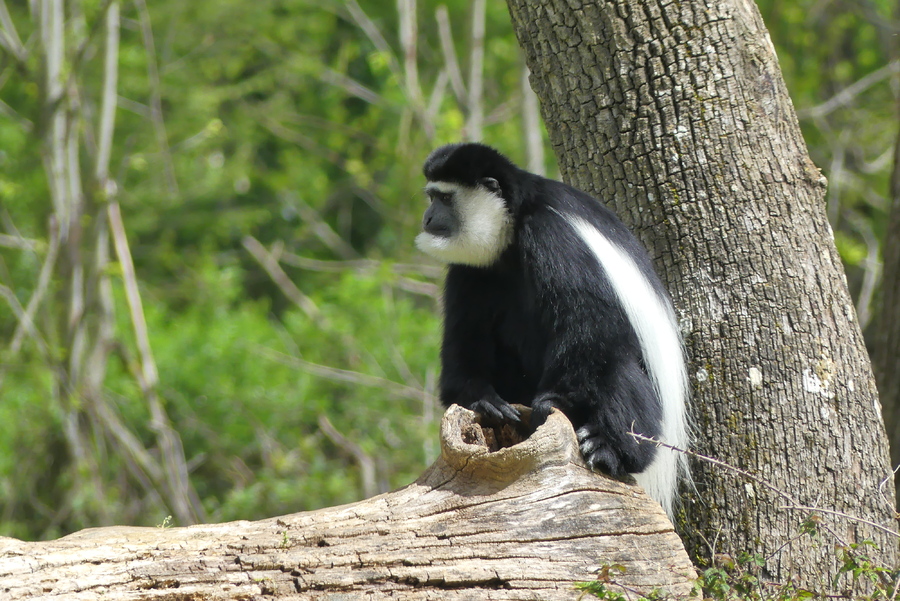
(387, 294)
(365, 461)
(793, 502)
(156, 112)
(25, 321)
(82, 50)
(409, 33)
(351, 86)
(360, 265)
(852, 518)
(19, 242)
(369, 266)
(437, 96)
(420, 288)
(281, 279)
(881, 487)
(9, 37)
(847, 95)
(450, 60)
(133, 297)
(7, 111)
(43, 283)
(717, 462)
(393, 389)
(476, 73)
(871, 268)
(362, 20)
(322, 230)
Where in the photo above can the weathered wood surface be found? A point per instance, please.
(523, 522)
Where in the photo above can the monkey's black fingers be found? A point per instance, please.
(497, 410)
(598, 453)
(541, 407)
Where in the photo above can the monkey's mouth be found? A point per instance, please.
(439, 230)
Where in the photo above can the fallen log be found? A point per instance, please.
(486, 521)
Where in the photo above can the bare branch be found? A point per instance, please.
(368, 27)
(9, 37)
(179, 492)
(437, 96)
(871, 269)
(281, 279)
(846, 96)
(138, 108)
(322, 230)
(365, 461)
(852, 518)
(476, 72)
(27, 319)
(422, 288)
(531, 122)
(81, 52)
(792, 502)
(51, 32)
(156, 113)
(109, 96)
(389, 387)
(302, 140)
(25, 322)
(450, 60)
(370, 266)
(351, 86)
(409, 33)
(8, 111)
(19, 242)
(128, 442)
(133, 296)
(361, 265)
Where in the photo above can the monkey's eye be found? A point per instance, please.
(441, 197)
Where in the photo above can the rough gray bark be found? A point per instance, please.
(676, 115)
(522, 522)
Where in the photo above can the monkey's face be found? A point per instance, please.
(465, 225)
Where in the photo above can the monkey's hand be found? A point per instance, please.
(599, 452)
(542, 405)
(496, 410)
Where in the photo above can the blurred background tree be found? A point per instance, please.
(210, 304)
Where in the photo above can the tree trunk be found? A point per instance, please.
(521, 522)
(676, 114)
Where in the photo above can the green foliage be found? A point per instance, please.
(856, 563)
(265, 136)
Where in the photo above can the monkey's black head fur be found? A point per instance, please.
(469, 163)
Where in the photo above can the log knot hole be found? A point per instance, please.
(506, 452)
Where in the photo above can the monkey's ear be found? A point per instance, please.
(491, 184)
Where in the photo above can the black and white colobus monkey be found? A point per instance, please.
(551, 302)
